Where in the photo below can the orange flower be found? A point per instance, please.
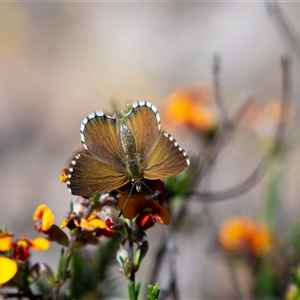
(264, 118)
(44, 218)
(136, 204)
(243, 235)
(186, 106)
(273, 110)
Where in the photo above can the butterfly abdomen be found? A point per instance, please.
(127, 140)
(132, 160)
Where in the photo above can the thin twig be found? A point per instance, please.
(285, 29)
(216, 81)
(173, 288)
(168, 247)
(159, 257)
(259, 171)
(234, 279)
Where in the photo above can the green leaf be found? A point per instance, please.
(60, 262)
(140, 253)
(154, 291)
(178, 186)
(71, 205)
(95, 198)
(272, 199)
(267, 283)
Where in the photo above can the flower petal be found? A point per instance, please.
(48, 219)
(5, 241)
(97, 223)
(44, 213)
(131, 206)
(163, 214)
(137, 204)
(8, 269)
(63, 176)
(242, 233)
(38, 213)
(187, 106)
(40, 244)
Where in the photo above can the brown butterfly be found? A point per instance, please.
(123, 150)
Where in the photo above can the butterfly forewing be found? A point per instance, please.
(167, 158)
(88, 175)
(144, 123)
(100, 135)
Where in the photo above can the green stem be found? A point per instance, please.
(134, 290)
(62, 275)
(63, 266)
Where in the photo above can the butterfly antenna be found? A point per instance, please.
(153, 195)
(125, 203)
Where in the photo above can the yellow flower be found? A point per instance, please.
(19, 252)
(22, 246)
(243, 235)
(38, 243)
(8, 269)
(5, 241)
(43, 214)
(92, 227)
(92, 222)
(63, 176)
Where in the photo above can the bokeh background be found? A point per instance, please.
(61, 61)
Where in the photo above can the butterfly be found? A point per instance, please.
(120, 150)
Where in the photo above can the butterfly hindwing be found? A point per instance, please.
(166, 159)
(88, 175)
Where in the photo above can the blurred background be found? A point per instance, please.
(61, 61)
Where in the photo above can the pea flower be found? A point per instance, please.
(93, 226)
(8, 269)
(188, 106)
(245, 236)
(44, 222)
(63, 176)
(147, 210)
(18, 251)
(45, 218)
(5, 240)
(264, 118)
(21, 247)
